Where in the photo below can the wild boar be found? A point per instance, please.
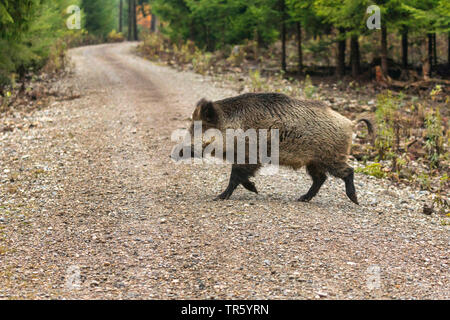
(310, 134)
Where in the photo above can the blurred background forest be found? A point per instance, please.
(322, 36)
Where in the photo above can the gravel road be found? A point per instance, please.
(92, 207)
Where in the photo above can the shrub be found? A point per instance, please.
(434, 137)
(309, 89)
(256, 82)
(374, 169)
(115, 36)
(201, 62)
(237, 56)
(388, 124)
(57, 58)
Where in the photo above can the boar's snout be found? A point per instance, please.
(191, 155)
(180, 155)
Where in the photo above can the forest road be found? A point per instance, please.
(112, 217)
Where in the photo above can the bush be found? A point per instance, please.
(434, 137)
(387, 117)
(201, 62)
(33, 38)
(157, 46)
(237, 56)
(57, 58)
(115, 36)
(309, 89)
(374, 169)
(153, 46)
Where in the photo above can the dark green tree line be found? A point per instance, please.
(212, 24)
(28, 31)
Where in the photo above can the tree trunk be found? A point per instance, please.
(135, 38)
(153, 23)
(405, 49)
(341, 54)
(283, 34)
(120, 15)
(299, 44)
(434, 50)
(130, 20)
(430, 51)
(448, 49)
(355, 56)
(384, 51)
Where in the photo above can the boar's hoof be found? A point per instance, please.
(250, 186)
(353, 198)
(305, 198)
(223, 196)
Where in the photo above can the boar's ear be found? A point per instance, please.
(207, 111)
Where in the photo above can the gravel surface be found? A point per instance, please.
(91, 206)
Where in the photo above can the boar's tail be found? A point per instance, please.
(369, 127)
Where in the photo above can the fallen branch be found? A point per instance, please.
(417, 84)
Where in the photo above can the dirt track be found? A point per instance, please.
(96, 194)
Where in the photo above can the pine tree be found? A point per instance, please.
(29, 29)
(430, 17)
(348, 16)
(283, 34)
(302, 13)
(120, 15)
(99, 16)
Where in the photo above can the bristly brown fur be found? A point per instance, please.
(311, 135)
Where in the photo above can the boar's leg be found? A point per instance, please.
(350, 187)
(318, 176)
(346, 173)
(240, 174)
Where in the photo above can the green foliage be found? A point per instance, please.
(16, 16)
(387, 118)
(29, 28)
(34, 33)
(157, 47)
(257, 83)
(348, 14)
(309, 89)
(212, 24)
(29, 32)
(434, 137)
(201, 62)
(318, 48)
(374, 169)
(115, 36)
(424, 180)
(100, 16)
(152, 46)
(428, 15)
(305, 12)
(237, 56)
